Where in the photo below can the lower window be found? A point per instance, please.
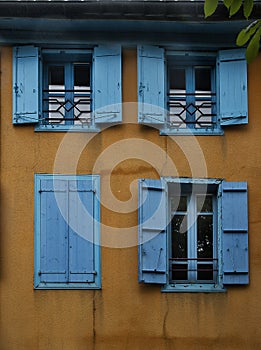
(67, 247)
(193, 234)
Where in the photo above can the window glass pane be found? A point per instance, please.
(205, 247)
(81, 76)
(177, 79)
(179, 272)
(56, 77)
(203, 97)
(205, 272)
(179, 236)
(204, 203)
(179, 203)
(177, 97)
(54, 101)
(203, 79)
(82, 94)
(205, 236)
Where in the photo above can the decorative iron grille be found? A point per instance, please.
(192, 110)
(67, 107)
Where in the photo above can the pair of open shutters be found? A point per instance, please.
(153, 221)
(106, 87)
(231, 77)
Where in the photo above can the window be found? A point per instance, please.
(191, 96)
(67, 89)
(193, 243)
(193, 234)
(67, 246)
(191, 92)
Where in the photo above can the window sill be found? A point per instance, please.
(190, 132)
(66, 286)
(185, 288)
(66, 128)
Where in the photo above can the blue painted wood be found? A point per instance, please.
(81, 231)
(67, 239)
(25, 85)
(151, 85)
(152, 231)
(54, 232)
(107, 84)
(232, 76)
(235, 233)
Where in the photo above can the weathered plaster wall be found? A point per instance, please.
(124, 314)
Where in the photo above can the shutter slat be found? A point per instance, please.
(233, 100)
(235, 233)
(152, 232)
(107, 84)
(25, 85)
(151, 85)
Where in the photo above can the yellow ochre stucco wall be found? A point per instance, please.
(124, 314)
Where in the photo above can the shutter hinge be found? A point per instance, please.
(16, 89)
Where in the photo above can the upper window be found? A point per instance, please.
(192, 92)
(67, 247)
(193, 234)
(67, 89)
(191, 95)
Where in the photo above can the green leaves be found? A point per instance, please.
(233, 7)
(247, 33)
(248, 7)
(250, 34)
(253, 46)
(210, 7)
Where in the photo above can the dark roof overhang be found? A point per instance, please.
(130, 21)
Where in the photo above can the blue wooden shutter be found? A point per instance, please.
(152, 231)
(81, 236)
(235, 233)
(232, 79)
(25, 85)
(151, 85)
(107, 84)
(53, 231)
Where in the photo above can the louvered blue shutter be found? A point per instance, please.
(235, 233)
(53, 231)
(107, 86)
(152, 231)
(232, 79)
(25, 85)
(151, 85)
(81, 236)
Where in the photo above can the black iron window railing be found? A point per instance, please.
(67, 106)
(192, 110)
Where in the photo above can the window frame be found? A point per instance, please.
(232, 108)
(217, 285)
(153, 226)
(189, 62)
(28, 75)
(51, 58)
(95, 246)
